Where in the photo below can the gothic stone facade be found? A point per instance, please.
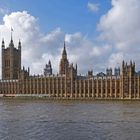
(124, 84)
(11, 61)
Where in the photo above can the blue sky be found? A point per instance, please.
(99, 34)
(70, 15)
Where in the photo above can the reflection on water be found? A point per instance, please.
(69, 120)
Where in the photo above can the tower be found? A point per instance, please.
(109, 72)
(48, 69)
(64, 63)
(128, 74)
(11, 60)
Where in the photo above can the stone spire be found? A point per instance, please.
(64, 64)
(64, 54)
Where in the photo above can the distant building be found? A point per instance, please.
(123, 84)
(48, 69)
(101, 74)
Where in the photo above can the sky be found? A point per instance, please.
(99, 34)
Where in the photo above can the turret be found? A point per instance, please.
(76, 67)
(49, 63)
(130, 62)
(134, 64)
(19, 45)
(3, 44)
(28, 70)
(109, 72)
(64, 54)
(128, 69)
(48, 69)
(123, 64)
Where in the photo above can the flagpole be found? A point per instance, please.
(11, 33)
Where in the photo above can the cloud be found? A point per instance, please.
(120, 27)
(38, 48)
(119, 39)
(115, 59)
(35, 44)
(94, 7)
(87, 53)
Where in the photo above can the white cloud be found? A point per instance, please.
(115, 59)
(86, 53)
(38, 48)
(119, 32)
(35, 44)
(94, 7)
(120, 26)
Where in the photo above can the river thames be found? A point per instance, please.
(69, 120)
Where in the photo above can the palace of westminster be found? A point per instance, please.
(124, 83)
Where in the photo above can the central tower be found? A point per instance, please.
(64, 63)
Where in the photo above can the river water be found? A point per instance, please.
(69, 120)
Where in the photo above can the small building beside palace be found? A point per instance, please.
(124, 83)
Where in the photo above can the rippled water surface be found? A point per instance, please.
(69, 120)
